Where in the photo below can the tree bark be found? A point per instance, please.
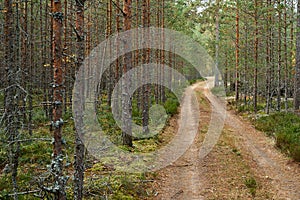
(145, 60)
(237, 51)
(268, 60)
(11, 98)
(79, 146)
(285, 58)
(217, 42)
(127, 62)
(255, 58)
(58, 90)
(297, 67)
(110, 78)
(279, 61)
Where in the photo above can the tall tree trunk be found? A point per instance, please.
(237, 51)
(79, 146)
(292, 44)
(217, 43)
(118, 61)
(11, 92)
(127, 62)
(65, 47)
(255, 58)
(137, 52)
(31, 70)
(268, 61)
(58, 90)
(157, 55)
(285, 58)
(163, 92)
(25, 63)
(297, 67)
(145, 60)
(226, 73)
(110, 78)
(246, 67)
(45, 84)
(279, 60)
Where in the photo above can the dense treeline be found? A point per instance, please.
(257, 53)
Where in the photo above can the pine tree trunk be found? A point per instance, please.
(145, 60)
(126, 101)
(217, 43)
(157, 52)
(246, 67)
(163, 93)
(255, 58)
(58, 89)
(108, 33)
(268, 62)
(11, 92)
(297, 68)
(285, 59)
(79, 146)
(237, 51)
(279, 61)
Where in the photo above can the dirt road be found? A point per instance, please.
(242, 165)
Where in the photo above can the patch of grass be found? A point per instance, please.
(39, 116)
(285, 127)
(36, 152)
(251, 185)
(219, 91)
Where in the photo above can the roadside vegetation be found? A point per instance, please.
(101, 179)
(283, 126)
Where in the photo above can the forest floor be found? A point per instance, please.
(244, 164)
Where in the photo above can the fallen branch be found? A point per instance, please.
(23, 193)
(30, 140)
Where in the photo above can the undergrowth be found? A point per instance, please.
(101, 181)
(285, 127)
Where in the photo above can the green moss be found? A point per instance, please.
(117, 186)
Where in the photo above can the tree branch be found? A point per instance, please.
(27, 192)
(79, 37)
(124, 14)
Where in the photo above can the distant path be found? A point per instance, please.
(242, 151)
(182, 179)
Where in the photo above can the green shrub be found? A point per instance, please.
(171, 106)
(285, 127)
